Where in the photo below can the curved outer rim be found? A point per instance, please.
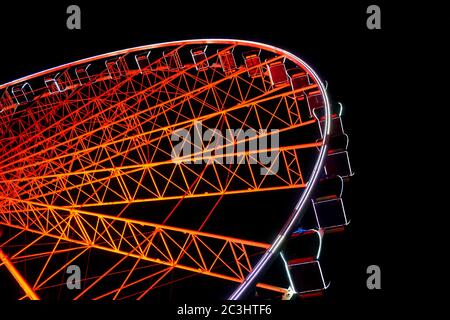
(298, 211)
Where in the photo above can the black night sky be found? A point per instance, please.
(360, 66)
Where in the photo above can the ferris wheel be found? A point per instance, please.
(211, 167)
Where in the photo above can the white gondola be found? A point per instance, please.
(22, 93)
(200, 59)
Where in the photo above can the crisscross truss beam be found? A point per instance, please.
(87, 166)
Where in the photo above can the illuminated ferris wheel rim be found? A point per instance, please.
(298, 211)
(257, 45)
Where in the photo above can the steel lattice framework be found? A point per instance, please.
(86, 154)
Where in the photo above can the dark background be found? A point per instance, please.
(362, 68)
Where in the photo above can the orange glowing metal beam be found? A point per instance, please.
(16, 274)
(136, 168)
(194, 156)
(181, 124)
(138, 256)
(58, 232)
(272, 288)
(191, 94)
(134, 252)
(75, 212)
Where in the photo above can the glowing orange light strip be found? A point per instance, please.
(20, 280)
